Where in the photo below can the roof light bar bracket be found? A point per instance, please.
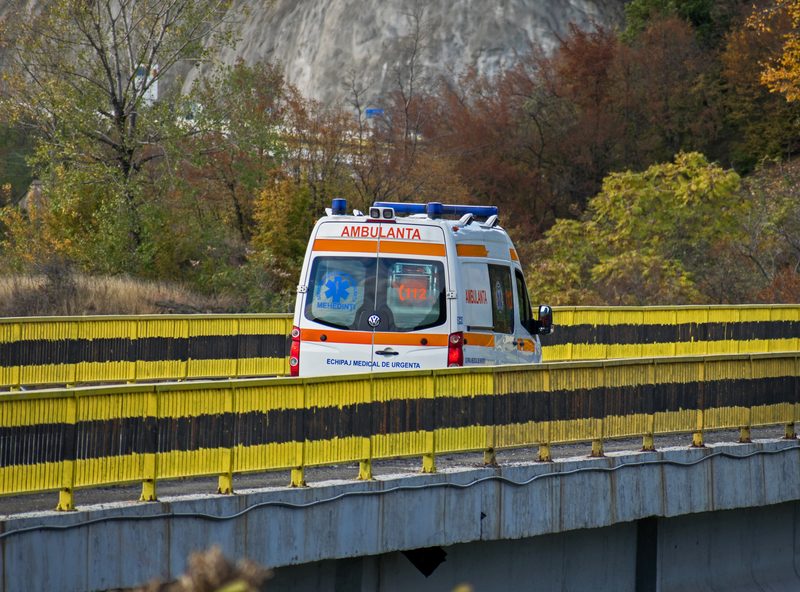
(491, 222)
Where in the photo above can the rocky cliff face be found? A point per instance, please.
(319, 42)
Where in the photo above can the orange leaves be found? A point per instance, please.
(782, 73)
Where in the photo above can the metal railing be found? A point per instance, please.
(37, 351)
(610, 332)
(65, 439)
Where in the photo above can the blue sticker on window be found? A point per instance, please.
(498, 295)
(336, 291)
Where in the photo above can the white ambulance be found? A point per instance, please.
(382, 292)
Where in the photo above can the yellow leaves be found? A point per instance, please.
(29, 241)
(781, 75)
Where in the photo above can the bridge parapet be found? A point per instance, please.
(63, 439)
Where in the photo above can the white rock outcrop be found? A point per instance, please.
(319, 42)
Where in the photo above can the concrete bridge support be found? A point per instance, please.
(746, 550)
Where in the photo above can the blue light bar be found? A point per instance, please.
(401, 208)
(434, 209)
(480, 211)
(446, 209)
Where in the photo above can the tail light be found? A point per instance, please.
(294, 353)
(455, 350)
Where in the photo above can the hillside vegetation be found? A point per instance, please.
(650, 165)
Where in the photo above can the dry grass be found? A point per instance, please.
(67, 294)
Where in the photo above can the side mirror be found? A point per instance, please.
(545, 320)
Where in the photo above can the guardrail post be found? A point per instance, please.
(429, 459)
(365, 464)
(226, 479)
(597, 443)
(489, 455)
(151, 447)
(16, 338)
(66, 499)
(238, 335)
(134, 337)
(73, 333)
(789, 433)
(597, 448)
(544, 452)
(648, 441)
(697, 437)
(298, 472)
(796, 406)
(544, 446)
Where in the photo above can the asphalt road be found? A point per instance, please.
(85, 497)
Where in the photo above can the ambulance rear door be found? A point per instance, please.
(364, 311)
(411, 306)
(335, 337)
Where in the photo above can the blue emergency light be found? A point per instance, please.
(339, 207)
(436, 210)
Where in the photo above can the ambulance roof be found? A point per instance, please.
(465, 229)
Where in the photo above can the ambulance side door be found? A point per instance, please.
(479, 336)
(529, 350)
(501, 290)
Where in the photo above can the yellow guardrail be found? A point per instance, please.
(37, 351)
(609, 332)
(64, 439)
(95, 349)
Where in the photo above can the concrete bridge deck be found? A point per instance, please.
(622, 522)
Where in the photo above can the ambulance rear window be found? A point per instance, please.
(337, 289)
(414, 293)
(407, 295)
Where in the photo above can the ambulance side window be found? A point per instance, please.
(502, 298)
(525, 314)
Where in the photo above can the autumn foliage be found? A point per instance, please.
(649, 166)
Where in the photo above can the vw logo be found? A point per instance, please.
(374, 320)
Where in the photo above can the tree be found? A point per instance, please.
(645, 239)
(781, 74)
(235, 114)
(83, 77)
(397, 158)
(760, 123)
(319, 140)
(674, 92)
(710, 18)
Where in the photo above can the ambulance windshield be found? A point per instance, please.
(406, 295)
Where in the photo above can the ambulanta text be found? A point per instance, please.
(381, 232)
(476, 296)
